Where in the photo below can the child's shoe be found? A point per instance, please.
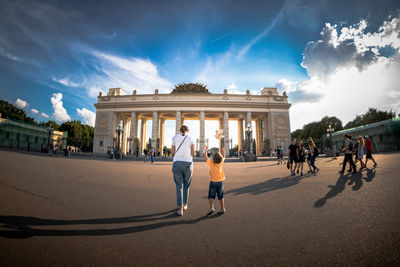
(210, 211)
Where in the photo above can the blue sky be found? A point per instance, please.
(55, 56)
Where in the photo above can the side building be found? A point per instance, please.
(385, 135)
(27, 136)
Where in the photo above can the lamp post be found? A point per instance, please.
(330, 130)
(50, 132)
(119, 131)
(249, 131)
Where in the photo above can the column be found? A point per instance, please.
(142, 134)
(248, 122)
(220, 127)
(240, 135)
(162, 135)
(202, 131)
(258, 137)
(154, 130)
(178, 123)
(226, 133)
(269, 128)
(133, 132)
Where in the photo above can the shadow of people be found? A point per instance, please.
(370, 175)
(268, 185)
(356, 179)
(335, 190)
(22, 227)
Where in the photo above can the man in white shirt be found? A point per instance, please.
(182, 150)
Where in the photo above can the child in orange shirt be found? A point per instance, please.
(217, 178)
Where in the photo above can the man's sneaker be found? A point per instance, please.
(222, 211)
(210, 211)
(317, 169)
(185, 207)
(179, 212)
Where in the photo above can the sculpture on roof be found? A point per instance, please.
(189, 88)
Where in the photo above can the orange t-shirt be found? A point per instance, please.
(216, 171)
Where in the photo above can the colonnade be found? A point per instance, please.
(132, 140)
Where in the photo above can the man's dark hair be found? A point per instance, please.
(217, 158)
(184, 129)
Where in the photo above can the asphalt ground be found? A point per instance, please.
(58, 211)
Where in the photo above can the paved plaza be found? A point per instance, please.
(78, 212)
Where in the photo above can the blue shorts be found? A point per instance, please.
(216, 188)
(293, 158)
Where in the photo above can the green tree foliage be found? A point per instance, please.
(318, 128)
(13, 112)
(51, 123)
(79, 135)
(371, 116)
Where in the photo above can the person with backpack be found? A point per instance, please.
(348, 154)
(314, 154)
(145, 152)
(368, 147)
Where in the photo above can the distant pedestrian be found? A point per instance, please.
(293, 160)
(348, 154)
(334, 151)
(152, 154)
(183, 151)
(278, 154)
(301, 155)
(145, 151)
(368, 147)
(360, 152)
(313, 154)
(137, 152)
(282, 153)
(217, 178)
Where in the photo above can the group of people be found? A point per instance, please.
(149, 153)
(298, 154)
(183, 151)
(355, 149)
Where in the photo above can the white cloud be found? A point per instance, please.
(348, 74)
(89, 117)
(44, 115)
(127, 73)
(34, 111)
(66, 82)
(21, 103)
(60, 113)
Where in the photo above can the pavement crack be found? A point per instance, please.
(32, 194)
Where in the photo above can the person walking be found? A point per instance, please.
(293, 157)
(182, 151)
(360, 151)
(313, 154)
(368, 147)
(152, 154)
(278, 155)
(145, 152)
(348, 154)
(301, 155)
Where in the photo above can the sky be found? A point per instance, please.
(335, 58)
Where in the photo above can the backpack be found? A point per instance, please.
(351, 145)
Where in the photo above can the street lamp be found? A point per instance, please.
(330, 130)
(50, 132)
(249, 131)
(119, 131)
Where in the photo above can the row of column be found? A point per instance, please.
(158, 131)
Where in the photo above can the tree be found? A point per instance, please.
(79, 135)
(318, 128)
(371, 116)
(11, 111)
(51, 123)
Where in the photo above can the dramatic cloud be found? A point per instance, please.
(127, 73)
(349, 72)
(34, 111)
(89, 117)
(44, 115)
(60, 113)
(21, 103)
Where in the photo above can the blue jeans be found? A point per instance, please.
(152, 158)
(312, 162)
(183, 172)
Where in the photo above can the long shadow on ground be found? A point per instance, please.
(355, 180)
(21, 226)
(268, 185)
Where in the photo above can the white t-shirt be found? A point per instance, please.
(183, 153)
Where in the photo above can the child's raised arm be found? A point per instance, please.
(205, 152)
(223, 152)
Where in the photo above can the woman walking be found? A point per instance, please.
(182, 150)
(313, 152)
(360, 152)
(301, 155)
